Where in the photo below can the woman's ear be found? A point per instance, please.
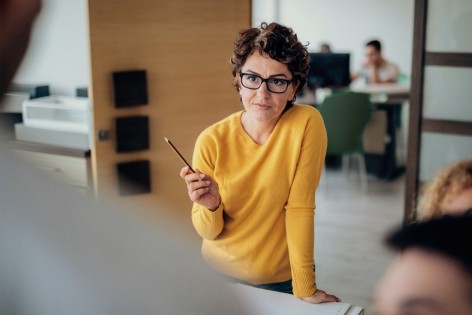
(237, 84)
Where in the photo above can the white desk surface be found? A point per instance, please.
(384, 88)
(379, 93)
(265, 302)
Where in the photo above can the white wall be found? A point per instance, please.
(59, 50)
(346, 25)
(58, 54)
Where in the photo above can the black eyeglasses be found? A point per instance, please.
(274, 85)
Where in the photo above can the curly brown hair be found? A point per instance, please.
(449, 182)
(277, 41)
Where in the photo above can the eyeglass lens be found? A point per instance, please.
(275, 85)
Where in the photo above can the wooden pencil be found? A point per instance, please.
(180, 155)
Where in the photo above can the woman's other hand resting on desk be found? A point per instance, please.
(201, 188)
(320, 296)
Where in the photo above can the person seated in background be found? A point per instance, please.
(375, 68)
(449, 193)
(433, 273)
(325, 48)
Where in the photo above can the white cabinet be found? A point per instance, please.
(68, 166)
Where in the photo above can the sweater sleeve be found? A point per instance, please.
(208, 224)
(301, 205)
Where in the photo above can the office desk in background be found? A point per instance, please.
(380, 136)
(389, 98)
(262, 302)
(389, 89)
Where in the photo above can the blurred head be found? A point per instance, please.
(325, 48)
(433, 273)
(449, 193)
(278, 44)
(373, 51)
(16, 22)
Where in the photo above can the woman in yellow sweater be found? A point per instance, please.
(258, 170)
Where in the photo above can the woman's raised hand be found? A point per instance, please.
(202, 189)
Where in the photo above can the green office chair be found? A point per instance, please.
(345, 116)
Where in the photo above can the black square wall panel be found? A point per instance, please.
(130, 88)
(134, 177)
(132, 134)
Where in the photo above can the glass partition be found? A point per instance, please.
(447, 93)
(440, 150)
(456, 15)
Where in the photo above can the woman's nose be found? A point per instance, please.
(263, 89)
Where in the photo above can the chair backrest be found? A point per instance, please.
(345, 116)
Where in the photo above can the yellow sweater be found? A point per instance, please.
(263, 231)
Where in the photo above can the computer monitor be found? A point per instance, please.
(329, 70)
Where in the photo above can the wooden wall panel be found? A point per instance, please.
(185, 48)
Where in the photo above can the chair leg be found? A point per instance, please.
(362, 171)
(400, 146)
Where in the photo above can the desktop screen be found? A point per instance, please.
(329, 70)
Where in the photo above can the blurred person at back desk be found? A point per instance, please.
(375, 68)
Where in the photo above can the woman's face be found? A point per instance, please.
(261, 105)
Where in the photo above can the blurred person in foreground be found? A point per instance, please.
(16, 22)
(449, 193)
(62, 253)
(433, 272)
(258, 170)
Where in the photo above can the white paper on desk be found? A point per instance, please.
(355, 310)
(261, 302)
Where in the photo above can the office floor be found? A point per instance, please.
(350, 226)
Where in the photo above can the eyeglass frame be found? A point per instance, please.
(266, 82)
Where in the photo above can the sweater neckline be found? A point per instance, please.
(247, 138)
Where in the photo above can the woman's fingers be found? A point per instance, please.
(184, 172)
(196, 185)
(195, 195)
(190, 177)
(201, 188)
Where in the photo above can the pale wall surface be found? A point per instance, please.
(346, 25)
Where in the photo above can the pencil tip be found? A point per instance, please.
(167, 140)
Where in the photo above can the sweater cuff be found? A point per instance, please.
(208, 224)
(219, 209)
(305, 285)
